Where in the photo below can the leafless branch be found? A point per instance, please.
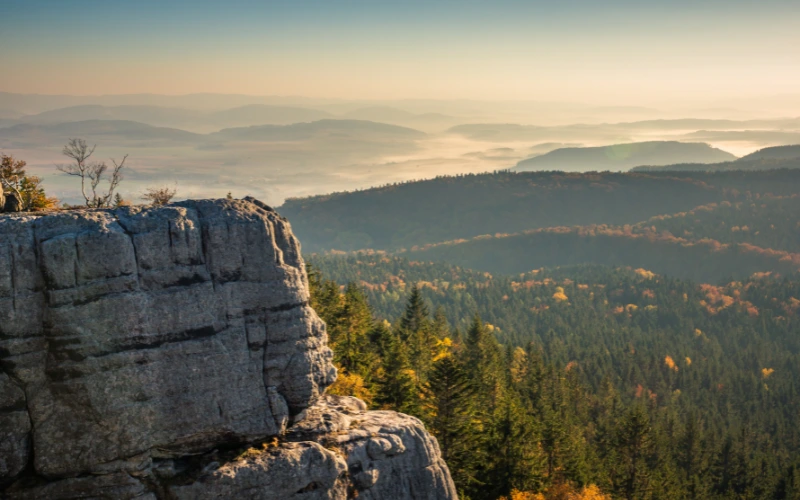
(80, 152)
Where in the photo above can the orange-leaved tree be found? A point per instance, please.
(27, 188)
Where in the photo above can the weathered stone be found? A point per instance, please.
(388, 454)
(137, 330)
(293, 471)
(136, 343)
(117, 486)
(15, 427)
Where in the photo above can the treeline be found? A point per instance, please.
(579, 381)
(447, 208)
(749, 164)
(764, 221)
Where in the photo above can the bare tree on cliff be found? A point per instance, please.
(91, 173)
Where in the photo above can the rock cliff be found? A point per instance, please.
(171, 353)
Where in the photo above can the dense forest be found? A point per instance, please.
(580, 382)
(575, 336)
(402, 216)
(712, 242)
(704, 259)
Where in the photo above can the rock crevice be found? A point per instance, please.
(136, 343)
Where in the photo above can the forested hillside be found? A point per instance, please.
(448, 208)
(714, 242)
(577, 381)
(777, 157)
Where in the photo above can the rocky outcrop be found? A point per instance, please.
(388, 454)
(145, 351)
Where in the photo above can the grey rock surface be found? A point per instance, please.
(153, 330)
(137, 345)
(389, 455)
(293, 471)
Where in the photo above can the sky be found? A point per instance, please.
(610, 52)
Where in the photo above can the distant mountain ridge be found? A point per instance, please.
(777, 157)
(21, 135)
(775, 153)
(159, 116)
(624, 156)
(25, 135)
(300, 131)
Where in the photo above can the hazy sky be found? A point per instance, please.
(613, 51)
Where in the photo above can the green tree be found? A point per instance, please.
(397, 386)
(350, 328)
(633, 442)
(450, 416)
(28, 188)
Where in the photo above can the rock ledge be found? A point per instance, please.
(163, 352)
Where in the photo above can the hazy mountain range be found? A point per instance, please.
(624, 156)
(279, 147)
(778, 157)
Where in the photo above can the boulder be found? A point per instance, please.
(139, 346)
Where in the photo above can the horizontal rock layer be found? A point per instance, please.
(337, 451)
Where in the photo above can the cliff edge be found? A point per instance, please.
(171, 353)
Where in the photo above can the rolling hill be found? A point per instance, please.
(150, 115)
(777, 157)
(774, 153)
(206, 121)
(359, 129)
(766, 137)
(119, 131)
(448, 208)
(262, 114)
(624, 156)
(386, 114)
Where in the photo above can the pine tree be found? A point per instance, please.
(633, 444)
(514, 460)
(450, 416)
(482, 354)
(440, 328)
(353, 322)
(416, 316)
(397, 387)
(417, 331)
(691, 456)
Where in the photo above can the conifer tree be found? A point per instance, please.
(353, 322)
(397, 387)
(514, 460)
(416, 316)
(482, 354)
(416, 329)
(450, 416)
(633, 442)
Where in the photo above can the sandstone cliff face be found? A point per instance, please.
(141, 349)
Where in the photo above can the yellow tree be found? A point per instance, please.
(27, 188)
